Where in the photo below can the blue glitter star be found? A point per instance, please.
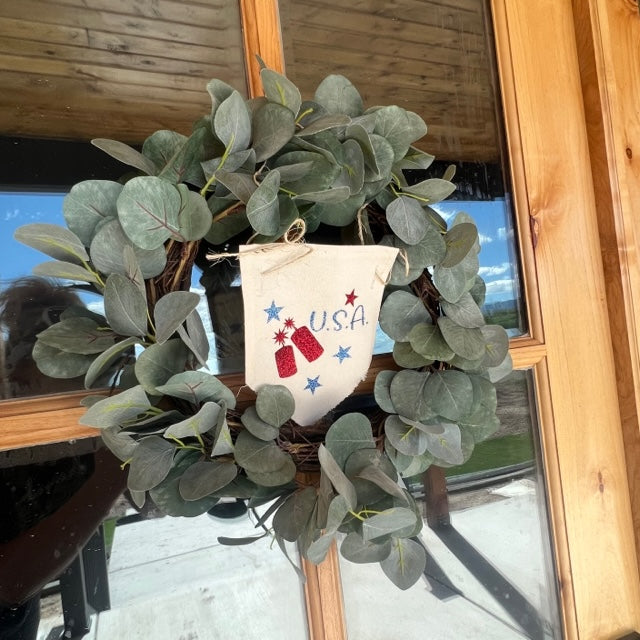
(273, 311)
(313, 384)
(343, 352)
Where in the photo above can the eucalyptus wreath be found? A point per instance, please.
(245, 174)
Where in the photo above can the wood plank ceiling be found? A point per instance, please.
(79, 69)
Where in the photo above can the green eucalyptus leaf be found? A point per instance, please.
(414, 159)
(77, 335)
(116, 410)
(257, 455)
(56, 363)
(336, 94)
(107, 252)
(279, 89)
(406, 438)
(347, 434)
(464, 312)
(126, 154)
(339, 480)
(357, 550)
(324, 123)
(400, 312)
(171, 311)
(281, 476)
(151, 462)
(120, 444)
(229, 163)
(387, 522)
(158, 363)
(353, 164)
(404, 356)
(148, 209)
(407, 395)
(195, 337)
(374, 474)
(201, 422)
(274, 404)
(331, 196)
(406, 563)
(447, 445)
(502, 370)
(125, 306)
(432, 190)
(496, 345)
(197, 387)
(106, 359)
(452, 283)
(478, 291)
(293, 515)
(468, 343)
(258, 427)
(194, 217)
(273, 126)
(459, 240)
(393, 123)
(339, 214)
(218, 91)
(64, 271)
(425, 338)
(228, 226)
(204, 477)
(232, 123)
(379, 166)
(382, 392)
(53, 240)
(241, 185)
(160, 148)
(89, 203)
(262, 207)
(407, 220)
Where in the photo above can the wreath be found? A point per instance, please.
(249, 172)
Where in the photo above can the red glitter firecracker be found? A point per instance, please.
(306, 342)
(286, 362)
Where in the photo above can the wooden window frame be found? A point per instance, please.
(569, 345)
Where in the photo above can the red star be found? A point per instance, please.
(351, 297)
(280, 336)
(288, 324)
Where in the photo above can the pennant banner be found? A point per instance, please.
(311, 315)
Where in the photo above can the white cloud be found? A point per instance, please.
(501, 287)
(484, 239)
(496, 270)
(10, 215)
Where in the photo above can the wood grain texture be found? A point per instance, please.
(608, 36)
(548, 126)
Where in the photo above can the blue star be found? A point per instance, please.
(273, 311)
(343, 352)
(313, 384)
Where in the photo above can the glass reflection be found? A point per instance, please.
(489, 572)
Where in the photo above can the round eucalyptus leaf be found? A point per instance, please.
(381, 390)
(254, 454)
(107, 253)
(274, 404)
(405, 438)
(450, 393)
(388, 522)
(258, 427)
(347, 434)
(204, 477)
(459, 240)
(60, 364)
(279, 89)
(407, 220)
(126, 154)
(502, 370)
(218, 91)
(116, 410)
(161, 147)
(323, 123)
(53, 240)
(125, 306)
(478, 291)
(232, 123)
(171, 311)
(400, 312)
(464, 312)
(241, 185)
(392, 122)
(77, 335)
(353, 163)
(273, 126)
(379, 167)
(201, 422)
(340, 214)
(432, 190)
(355, 549)
(406, 563)
(335, 195)
(468, 343)
(452, 282)
(336, 94)
(194, 218)
(197, 387)
(148, 210)
(262, 207)
(158, 363)
(496, 345)
(293, 515)
(120, 444)
(106, 359)
(339, 480)
(408, 395)
(447, 445)
(151, 462)
(362, 458)
(64, 271)
(404, 356)
(281, 476)
(426, 340)
(195, 337)
(414, 159)
(88, 203)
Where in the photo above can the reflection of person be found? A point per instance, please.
(27, 307)
(48, 511)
